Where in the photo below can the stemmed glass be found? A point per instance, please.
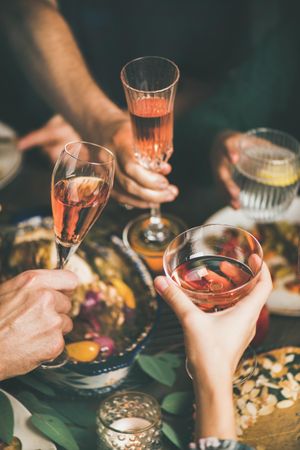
(81, 183)
(150, 86)
(215, 265)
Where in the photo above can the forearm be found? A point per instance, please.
(214, 408)
(46, 50)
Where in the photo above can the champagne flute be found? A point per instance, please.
(81, 183)
(150, 86)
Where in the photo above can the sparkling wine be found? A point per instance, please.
(152, 123)
(76, 203)
(211, 274)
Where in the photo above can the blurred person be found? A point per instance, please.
(45, 48)
(213, 362)
(34, 309)
(205, 38)
(263, 91)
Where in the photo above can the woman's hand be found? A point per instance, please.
(214, 344)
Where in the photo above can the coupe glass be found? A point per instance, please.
(267, 173)
(81, 183)
(216, 266)
(150, 86)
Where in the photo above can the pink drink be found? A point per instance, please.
(152, 123)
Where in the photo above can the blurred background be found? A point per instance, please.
(239, 64)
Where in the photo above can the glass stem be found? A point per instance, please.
(64, 254)
(156, 232)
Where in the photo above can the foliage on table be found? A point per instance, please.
(71, 424)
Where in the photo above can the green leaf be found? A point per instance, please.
(6, 419)
(173, 360)
(77, 412)
(157, 369)
(35, 406)
(54, 429)
(171, 434)
(177, 403)
(33, 382)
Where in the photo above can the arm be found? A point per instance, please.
(46, 50)
(214, 345)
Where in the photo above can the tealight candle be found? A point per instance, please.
(129, 421)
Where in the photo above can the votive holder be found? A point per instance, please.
(129, 421)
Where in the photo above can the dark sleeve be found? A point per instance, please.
(256, 94)
(218, 444)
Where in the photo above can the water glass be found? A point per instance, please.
(267, 173)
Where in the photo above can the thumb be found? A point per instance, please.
(36, 138)
(180, 303)
(232, 147)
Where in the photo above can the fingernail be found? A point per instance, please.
(161, 284)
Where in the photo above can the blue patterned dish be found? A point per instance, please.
(99, 377)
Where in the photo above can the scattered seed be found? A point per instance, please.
(285, 404)
(251, 408)
(248, 386)
(266, 410)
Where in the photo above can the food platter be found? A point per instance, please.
(114, 308)
(280, 244)
(10, 157)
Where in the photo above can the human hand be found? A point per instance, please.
(224, 154)
(215, 342)
(135, 185)
(34, 309)
(51, 138)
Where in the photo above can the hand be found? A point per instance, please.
(215, 342)
(135, 185)
(33, 319)
(225, 153)
(51, 138)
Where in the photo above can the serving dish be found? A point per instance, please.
(23, 430)
(115, 305)
(279, 241)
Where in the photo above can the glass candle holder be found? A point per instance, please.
(129, 421)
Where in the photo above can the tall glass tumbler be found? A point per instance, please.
(267, 173)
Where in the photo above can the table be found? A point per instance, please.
(28, 194)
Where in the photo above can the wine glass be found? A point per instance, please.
(150, 86)
(81, 183)
(215, 265)
(267, 173)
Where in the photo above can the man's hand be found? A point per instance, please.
(34, 309)
(51, 138)
(134, 185)
(225, 153)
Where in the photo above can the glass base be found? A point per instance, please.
(137, 235)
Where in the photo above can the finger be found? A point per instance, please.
(232, 147)
(36, 138)
(67, 324)
(125, 199)
(165, 168)
(237, 275)
(225, 177)
(151, 196)
(253, 302)
(176, 299)
(145, 178)
(61, 280)
(63, 304)
(255, 263)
